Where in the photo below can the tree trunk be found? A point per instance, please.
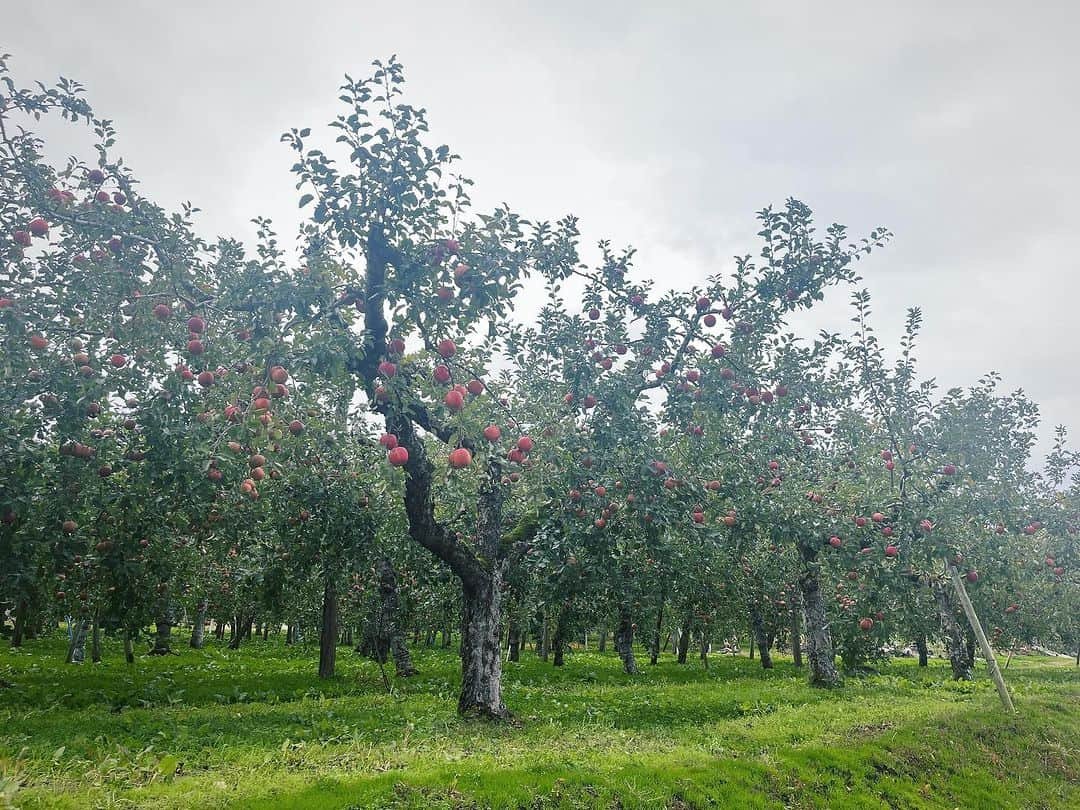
(705, 648)
(328, 632)
(751, 646)
(219, 630)
(20, 623)
(514, 641)
(266, 632)
(796, 629)
(819, 646)
(684, 638)
(77, 647)
(544, 639)
(969, 648)
(558, 643)
(162, 637)
(624, 642)
(290, 634)
(601, 640)
(391, 636)
(95, 641)
(481, 634)
(241, 627)
(654, 644)
(757, 625)
(954, 636)
(198, 629)
(920, 645)
(129, 653)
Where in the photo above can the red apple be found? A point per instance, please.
(196, 325)
(39, 227)
(460, 458)
(389, 441)
(492, 433)
(447, 348)
(442, 374)
(398, 457)
(454, 400)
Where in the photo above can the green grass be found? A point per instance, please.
(256, 729)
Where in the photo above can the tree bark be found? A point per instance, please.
(162, 637)
(601, 640)
(684, 638)
(954, 636)
(924, 652)
(481, 662)
(328, 632)
(558, 643)
(624, 642)
(20, 623)
(391, 636)
(705, 647)
(514, 641)
(544, 638)
(198, 629)
(757, 626)
(819, 646)
(129, 653)
(95, 641)
(77, 647)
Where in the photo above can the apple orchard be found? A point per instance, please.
(357, 438)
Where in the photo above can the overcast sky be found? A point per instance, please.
(664, 126)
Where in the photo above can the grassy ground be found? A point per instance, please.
(256, 729)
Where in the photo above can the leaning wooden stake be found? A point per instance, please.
(976, 625)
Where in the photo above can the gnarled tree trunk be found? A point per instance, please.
(819, 646)
(481, 663)
(954, 635)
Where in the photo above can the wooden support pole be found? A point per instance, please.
(976, 625)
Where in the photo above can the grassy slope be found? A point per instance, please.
(255, 729)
